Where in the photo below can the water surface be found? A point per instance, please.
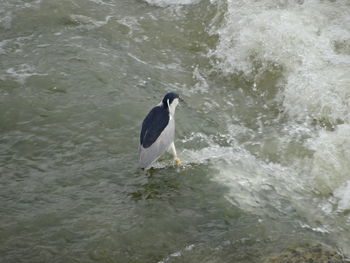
(264, 133)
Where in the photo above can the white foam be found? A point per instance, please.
(322, 230)
(21, 72)
(18, 4)
(6, 20)
(343, 195)
(330, 165)
(177, 254)
(3, 44)
(101, 2)
(89, 23)
(202, 85)
(247, 178)
(300, 38)
(256, 186)
(14, 45)
(164, 3)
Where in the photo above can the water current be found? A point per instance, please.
(264, 133)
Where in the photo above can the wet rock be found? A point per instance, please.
(307, 254)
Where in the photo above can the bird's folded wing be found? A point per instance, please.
(158, 148)
(153, 125)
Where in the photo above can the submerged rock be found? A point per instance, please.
(307, 254)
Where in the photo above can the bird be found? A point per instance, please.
(158, 132)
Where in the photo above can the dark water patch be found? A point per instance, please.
(308, 253)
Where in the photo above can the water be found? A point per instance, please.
(264, 133)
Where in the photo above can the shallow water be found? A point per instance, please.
(263, 134)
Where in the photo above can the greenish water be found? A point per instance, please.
(263, 133)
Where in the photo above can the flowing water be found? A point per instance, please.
(264, 133)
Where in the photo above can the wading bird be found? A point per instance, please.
(158, 132)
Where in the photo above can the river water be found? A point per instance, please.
(264, 133)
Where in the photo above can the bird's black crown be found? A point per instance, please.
(170, 96)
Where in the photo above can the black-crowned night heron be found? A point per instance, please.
(158, 132)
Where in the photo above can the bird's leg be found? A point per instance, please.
(173, 152)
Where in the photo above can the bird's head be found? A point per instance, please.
(171, 100)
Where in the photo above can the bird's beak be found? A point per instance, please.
(181, 99)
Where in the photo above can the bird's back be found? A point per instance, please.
(153, 125)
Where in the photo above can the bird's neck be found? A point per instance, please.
(172, 107)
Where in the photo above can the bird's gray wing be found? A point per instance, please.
(158, 148)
